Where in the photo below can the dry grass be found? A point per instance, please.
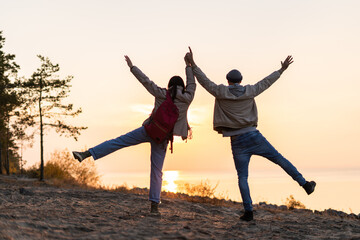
(204, 189)
(200, 193)
(63, 169)
(291, 203)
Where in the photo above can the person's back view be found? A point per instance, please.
(182, 97)
(235, 116)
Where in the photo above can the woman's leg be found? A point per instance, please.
(132, 138)
(158, 152)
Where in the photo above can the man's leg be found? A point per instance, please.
(132, 138)
(158, 152)
(265, 149)
(241, 157)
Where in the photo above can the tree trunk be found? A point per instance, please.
(0, 159)
(41, 136)
(21, 160)
(7, 168)
(41, 149)
(7, 160)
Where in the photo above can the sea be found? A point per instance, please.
(335, 189)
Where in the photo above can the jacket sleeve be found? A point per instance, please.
(150, 86)
(264, 84)
(190, 83)
(211, 87)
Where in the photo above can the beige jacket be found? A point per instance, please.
(235, 106)
(182, 101)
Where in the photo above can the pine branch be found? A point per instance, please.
(67, 130)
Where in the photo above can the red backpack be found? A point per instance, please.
(162, 121)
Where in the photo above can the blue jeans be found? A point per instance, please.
(158, 152)
(254, 143)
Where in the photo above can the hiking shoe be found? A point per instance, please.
(154, 208)
(80, 156)
(309, 187)
(248, 216)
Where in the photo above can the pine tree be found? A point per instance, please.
(9, 102)
(44, 92)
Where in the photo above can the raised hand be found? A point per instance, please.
(284, 65)
(128, 61)
(187, 62)
(190, 57)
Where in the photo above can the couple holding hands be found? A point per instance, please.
(235, 116)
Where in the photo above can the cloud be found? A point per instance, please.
(197, 115)
(146, 109)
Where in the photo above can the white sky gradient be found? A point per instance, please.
(311, 114)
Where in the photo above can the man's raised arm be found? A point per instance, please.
(210, 86)
(264, 84)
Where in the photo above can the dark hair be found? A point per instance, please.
(173, 83)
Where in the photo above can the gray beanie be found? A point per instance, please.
(234, 76)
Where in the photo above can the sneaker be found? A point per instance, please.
(309, 187)
(154, 208)
(80, 156)
(248, 216)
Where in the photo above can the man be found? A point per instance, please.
(235, 116)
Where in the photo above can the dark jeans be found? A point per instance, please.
(254, 143)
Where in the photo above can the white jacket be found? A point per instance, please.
(182, 101)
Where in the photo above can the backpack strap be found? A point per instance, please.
(171, 139)
(171, 143)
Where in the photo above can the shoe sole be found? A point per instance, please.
(77, 156)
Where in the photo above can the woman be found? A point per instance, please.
(182, 97)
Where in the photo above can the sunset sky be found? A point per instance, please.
(311, 114)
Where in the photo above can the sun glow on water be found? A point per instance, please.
(170, 177)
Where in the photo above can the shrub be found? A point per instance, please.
(204, 189)
(291, 203)
(54, 170)
(65, 169)
(32, 172)
(84, 173)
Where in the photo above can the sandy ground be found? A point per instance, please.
(33, 210)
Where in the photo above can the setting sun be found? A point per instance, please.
(169, 181)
